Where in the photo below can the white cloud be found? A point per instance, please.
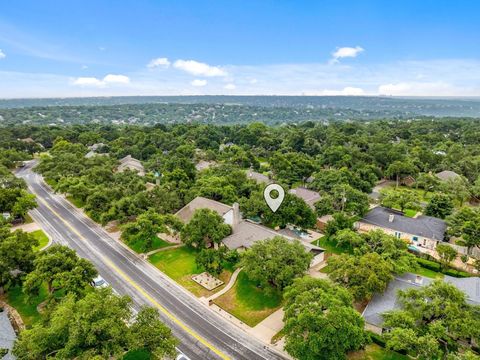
(2, 54)
(346, 91)
(437, 88)
(159, 62)
(84, 67)
(198, 82)
(345, 52)
(230, 87)
(198, 68)
(95, 82)
(253, 81)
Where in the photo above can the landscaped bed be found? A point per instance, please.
(247, 302)
(179, 264)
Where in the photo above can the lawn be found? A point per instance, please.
(42, 239)
(27, 310)
(375, 352)
(179, 264)
(247, 302)
(428, 273)
(410, 212)
(329, 245)
(157, 243)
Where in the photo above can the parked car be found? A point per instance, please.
(99, 282)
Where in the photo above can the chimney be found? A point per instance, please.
(236, 215)
(391, 217)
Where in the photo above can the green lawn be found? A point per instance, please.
(410, 212)
(77, 202)
(179, 264)
(375, 352)
(27, 310)
(41, 237)
(247, 302)
(157, 243)
(329, 245)
(429, 273)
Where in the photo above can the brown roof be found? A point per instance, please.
(258, 177)
(309, 196)
(447, 175)
(185, 214)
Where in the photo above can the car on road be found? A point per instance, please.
(99, 282)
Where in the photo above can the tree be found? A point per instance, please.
(343, 198)
(275, 263)
(320, 322)
(362, 275)
(427, 182)
(60, 268)
(399, 169)
(24, 203)
(348, 238)
(339, 222)
(16, 254)
(433, 321)
(211, 260)
(400, 198)
(205, 228)
(440, 205)
(96, 326)
(458, 188)
(471, 233)
(447, 254)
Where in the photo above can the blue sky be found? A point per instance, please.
(103, 48)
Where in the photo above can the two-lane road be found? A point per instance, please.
(202, 333)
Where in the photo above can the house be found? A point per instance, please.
(244, 232)
(202, 165)
(423, 232)
(7, 334)
(130, 163)
(258, 177)
(95, 147)
(323, 221)
(446, 175)
(388, 301)
(309, 196)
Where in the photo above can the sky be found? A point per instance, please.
(261, 47)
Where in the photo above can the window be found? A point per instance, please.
(415, 238)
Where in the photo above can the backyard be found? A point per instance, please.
(247, 302)
(375, 352)
(179, 264)
(27, 309)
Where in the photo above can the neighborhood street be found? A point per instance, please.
(203, 334)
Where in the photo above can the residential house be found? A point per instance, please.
(388, 301)
(423, 232)
(96, 147)
(446, 175)
(258, 177)
(202, 165)
(244, 232)
(309, 196)
(128, 162)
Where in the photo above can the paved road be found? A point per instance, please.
(202, 333)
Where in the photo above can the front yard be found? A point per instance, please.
(27, 309)
(247, 302)
(157, 243)
(42, 239)
(179, 264)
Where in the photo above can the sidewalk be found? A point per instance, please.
(230, 284)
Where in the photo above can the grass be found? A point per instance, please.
(375, 352)
(329, 245)
(42, 239)
(428, 273)
(179, 264)
(27, 309)
(76, 202)
(410, 212)
(157, 243)
(247, 302)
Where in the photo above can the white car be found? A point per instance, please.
(99, 282)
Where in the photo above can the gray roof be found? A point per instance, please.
(309, 196)
(128, 162)
(7, 334)
(202, 165)
(447, 175)
(387, 301)
(185, 214)
(258, 177)
(425, 226)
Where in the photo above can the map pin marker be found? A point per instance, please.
(272, 203)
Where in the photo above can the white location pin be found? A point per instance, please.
(272, 203)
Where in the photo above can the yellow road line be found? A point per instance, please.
(140, 290)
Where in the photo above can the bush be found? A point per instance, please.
(137, 355)
(428, 264)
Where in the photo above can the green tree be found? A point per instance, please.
(96, 326)
(458, 188)
(24, 203)
(204, 229)
(427, 182)
(471, 233)
(434, 320)
(211, 260)
(400, 198)
(275, 263)
(447, 254)
(320, 322)
(440, 205)
(343, 198)
(362, 275)
(400, 169)
(60, 268)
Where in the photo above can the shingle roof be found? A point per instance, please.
(259, 178)
(309, 196)
(425, 226)
(7, 334)
(185, 214)
(447, 175)
(470, 286)
(387, 301)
